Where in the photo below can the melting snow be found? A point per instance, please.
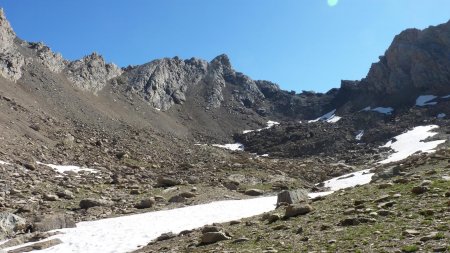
(329, 117)
(349, 180)
(383, 110)
(412, 141)
(269, 123)
(359, 135)
(233, 146)
(127, 233)
(66, 168)
(424, 100)
(441, 115)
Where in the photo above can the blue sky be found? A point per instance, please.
(299, 44)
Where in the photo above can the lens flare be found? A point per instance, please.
(332, 3)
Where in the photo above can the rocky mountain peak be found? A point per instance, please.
(91, 73)
(7, 34)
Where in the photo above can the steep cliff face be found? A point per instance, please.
(417, 62)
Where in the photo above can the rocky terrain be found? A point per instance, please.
(142, 137)
(405, 209)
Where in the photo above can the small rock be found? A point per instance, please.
(410, 232)
(167, 182)
(90, 202)
(50, 197)
(419, 189)
(187, 195)
(213, 237)
(37, 246)
(254, 192)
(298, 209)
(165, 236)
(145, 203)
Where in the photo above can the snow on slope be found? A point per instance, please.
(4, 163)
(383, 110)
(441, 115)
(66, 168)
(232, 146)
(349, 180)
(412, 141)
(269, 123)
(329, 117)
(127, 233)
(448, 96)
(424, 100)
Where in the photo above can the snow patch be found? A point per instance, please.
(4, 163)
(329, 117)
(383, 110)
(411, 142)
(448, 96)
(359, 135)
(233, 146)
(349, 180)
(425, 100)
(441, 115)
(68, 168)
(269, 124)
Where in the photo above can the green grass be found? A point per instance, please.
(410, 248)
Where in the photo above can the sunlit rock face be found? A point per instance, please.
(11, 61)
(91, 73)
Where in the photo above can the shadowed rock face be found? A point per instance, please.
(416, 63)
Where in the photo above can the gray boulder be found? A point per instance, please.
(292, 197)
(49, 222)
(10, 224)
(90, 202)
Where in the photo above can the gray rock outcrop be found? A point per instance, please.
(11, 61)
(91, 73)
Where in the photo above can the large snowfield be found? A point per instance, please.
(128, 233)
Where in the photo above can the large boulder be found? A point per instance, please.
(213, 237)
(49, 222)
(292, 197)
(10, 224)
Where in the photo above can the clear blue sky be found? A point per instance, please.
(299, 44)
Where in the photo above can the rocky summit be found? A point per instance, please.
(86, 140)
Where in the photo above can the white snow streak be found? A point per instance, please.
(359, 135)
(4, 163)
(67, 168)
(383, 110)
(411, 142)
(424, 100)
(329, 117)
(269, 124)
(232, 146)
(441, 115)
